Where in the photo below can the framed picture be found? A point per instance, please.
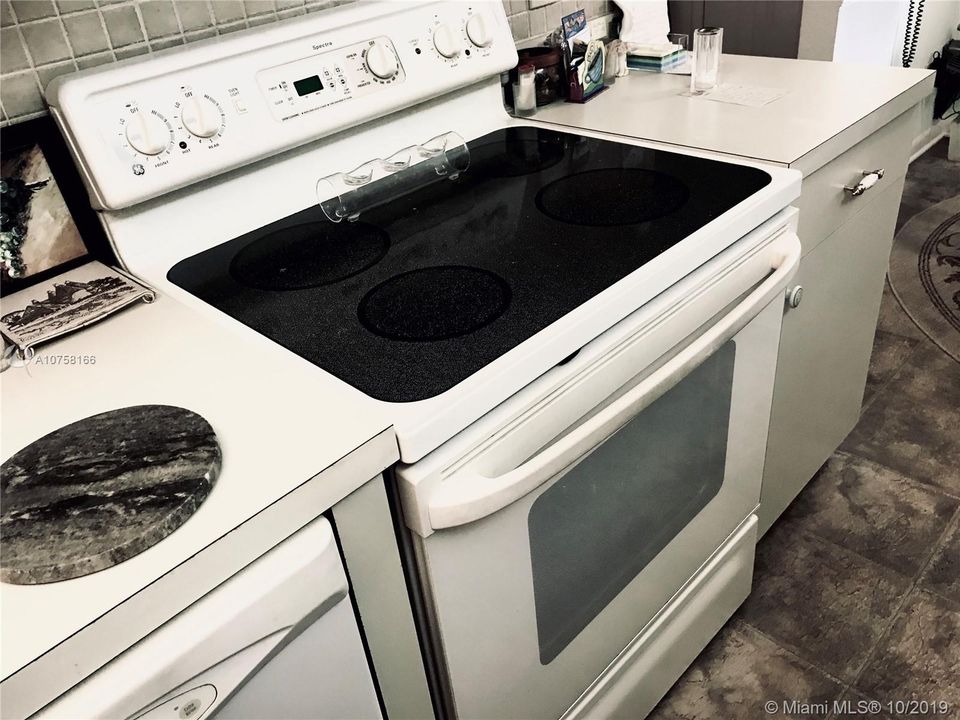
(46, 223)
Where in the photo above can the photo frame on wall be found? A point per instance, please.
(46, 223)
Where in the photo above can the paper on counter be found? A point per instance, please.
(749, 95)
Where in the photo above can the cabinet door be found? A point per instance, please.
(769, 28)
(825, 347)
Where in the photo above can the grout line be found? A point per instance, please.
(914, 587)
(26, 48)
(791, 650)
(912, 482)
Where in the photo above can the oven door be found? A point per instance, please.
(555, 541)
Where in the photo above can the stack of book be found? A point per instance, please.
(656, 58)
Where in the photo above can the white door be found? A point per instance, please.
(553, 543)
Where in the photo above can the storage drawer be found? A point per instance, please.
(825, 205)
(643, 673)
(825, 347)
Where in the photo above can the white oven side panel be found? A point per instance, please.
(277, 640)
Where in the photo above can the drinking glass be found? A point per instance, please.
(681, 39)
(706, 59)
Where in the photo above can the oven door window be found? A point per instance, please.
(596, 528)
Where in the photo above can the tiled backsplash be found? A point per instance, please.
(41, 39)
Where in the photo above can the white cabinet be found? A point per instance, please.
(826, 341)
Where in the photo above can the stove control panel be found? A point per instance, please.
(294, 90)
(141, 129)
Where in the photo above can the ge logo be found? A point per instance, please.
(138, 169)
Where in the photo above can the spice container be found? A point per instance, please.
(547, 63)
(524, 92)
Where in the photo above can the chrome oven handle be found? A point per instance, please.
(870, 178)
(470, 496)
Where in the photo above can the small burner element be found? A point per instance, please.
(434, 303)
(612, 196)
(513, 156)
(309, 255)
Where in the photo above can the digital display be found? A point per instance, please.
(308, 85)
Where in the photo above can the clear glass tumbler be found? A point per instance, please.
(705, 71)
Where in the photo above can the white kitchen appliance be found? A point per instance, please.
(575, 335)
(287, 616)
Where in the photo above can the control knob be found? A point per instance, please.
(200, 116)
(147, 133)
(446, 42)
(381, 61)
(478, 31)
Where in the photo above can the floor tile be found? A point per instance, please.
(943, 574)
(873, 511)
(825, 603)
(912, 425)
(890, 351)
(737, 673)
(919, 659)
(894, 320)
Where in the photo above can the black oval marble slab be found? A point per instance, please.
(101, 490)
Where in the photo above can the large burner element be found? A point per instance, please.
(309, 255)
(101, 490)
(612, 196)
(514, 156)
(434, 303)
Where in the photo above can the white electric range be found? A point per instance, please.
(574, 335)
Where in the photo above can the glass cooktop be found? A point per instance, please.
(424, 291)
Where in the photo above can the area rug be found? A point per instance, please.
(925, 273)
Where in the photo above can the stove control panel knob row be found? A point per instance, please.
(147, 132)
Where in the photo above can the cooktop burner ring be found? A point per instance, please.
(517, 156)
(440, 302)
(309, 255)
(617, 196)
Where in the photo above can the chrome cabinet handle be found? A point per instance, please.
(870, 178)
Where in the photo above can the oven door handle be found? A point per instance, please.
(470, 496)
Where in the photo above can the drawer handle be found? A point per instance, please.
(870, 178)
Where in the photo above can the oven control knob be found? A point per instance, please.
(147, 133)
(200, 116)
(381, 61)
(478, 30)
(446, 42)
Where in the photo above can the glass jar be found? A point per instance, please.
(547, 63)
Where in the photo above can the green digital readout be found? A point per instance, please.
(308, 85)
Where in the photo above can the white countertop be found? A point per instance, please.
(294, 440)
(823, 99)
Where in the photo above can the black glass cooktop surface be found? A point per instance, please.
(424, 291)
